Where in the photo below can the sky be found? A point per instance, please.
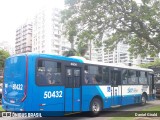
(14, 13)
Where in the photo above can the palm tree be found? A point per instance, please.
(80, 51)
(70, 52)
(82, 48)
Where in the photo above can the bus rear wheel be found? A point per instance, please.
(95, 106)
(143, 99)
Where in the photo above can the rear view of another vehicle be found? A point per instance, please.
(14, 85)
(1, 85)
(157, 85)
(0, 93)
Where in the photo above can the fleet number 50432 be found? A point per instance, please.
(52, 94)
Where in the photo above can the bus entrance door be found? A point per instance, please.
(72, 90)
(115, 88)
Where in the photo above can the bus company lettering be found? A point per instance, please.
(17, 87)
(132, 90)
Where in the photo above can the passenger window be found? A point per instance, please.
(69, 72)
(69, 77)
(48, 73)
(132, 77)
(105, 75)
(93, 74)
(124, 76)
(76, 78)
(77, 72)
(143, 78)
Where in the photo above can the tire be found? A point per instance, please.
(143, 99)
(95, 107)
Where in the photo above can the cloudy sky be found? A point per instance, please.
(13, 13)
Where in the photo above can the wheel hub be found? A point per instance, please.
(95, 107)
(143, 99)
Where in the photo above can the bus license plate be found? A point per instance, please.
(12, 101)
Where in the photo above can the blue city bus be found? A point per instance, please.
(64, 85)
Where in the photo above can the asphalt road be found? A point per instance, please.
(107, 114)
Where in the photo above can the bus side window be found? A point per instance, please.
(132, 79)
(97, 79)
(93, 74)
(124, 76)
(143, 77)
(40, 77)
(57, 78)
(69, 77)
(105, 75)
(48, 72)
(40, 74)
(76, 77)
(86, 75)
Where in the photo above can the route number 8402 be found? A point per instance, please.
(54, 94)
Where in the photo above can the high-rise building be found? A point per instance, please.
(119, 55)
(47, 32)
(140, 60)
(23, 41)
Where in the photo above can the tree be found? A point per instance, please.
(3, 55)
(82, 48)
(114, 21)
(70, 52)
(80, 51)
(151, 64)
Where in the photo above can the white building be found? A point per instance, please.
(5, 45)
(47, 32)
(119, 55)
(140, 60)
(23, 41)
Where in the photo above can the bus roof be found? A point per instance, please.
(43, 55)
(112, 64)
(83, 60)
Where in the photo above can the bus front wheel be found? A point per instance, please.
(143, 99)
(95, 106)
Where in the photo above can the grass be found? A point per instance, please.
(1, 109)
(152, 109)
(156, 108)
(122, 118)
(129, 117)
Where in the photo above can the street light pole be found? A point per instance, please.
(90, 51)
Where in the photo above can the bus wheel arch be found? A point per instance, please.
(144, 98)
(96, 105)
